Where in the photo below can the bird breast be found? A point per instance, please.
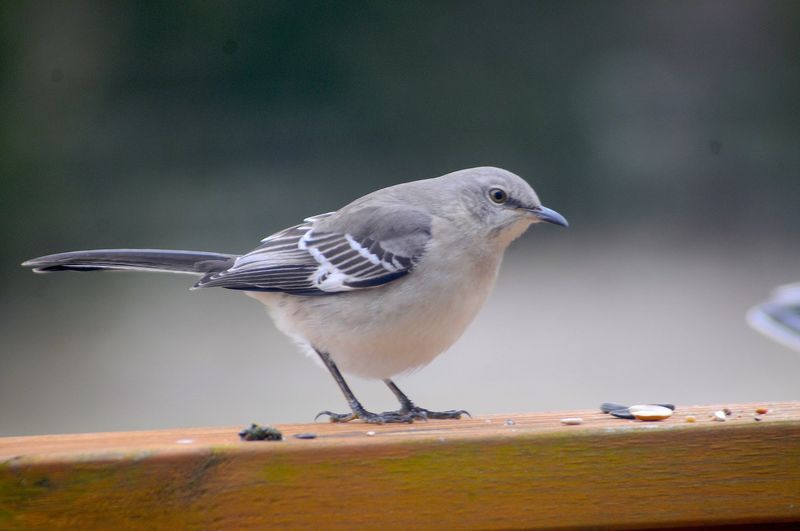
(395, 328)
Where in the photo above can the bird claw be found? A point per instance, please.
(406, 416)
(336, 417)
(449, 414)
(387, 417)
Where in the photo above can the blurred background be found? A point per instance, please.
(667, 132)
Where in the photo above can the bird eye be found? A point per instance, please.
(498, 195)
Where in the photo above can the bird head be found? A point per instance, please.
(501, 202)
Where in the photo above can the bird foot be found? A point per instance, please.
(426, 414)
(406, 415)
(387, 417)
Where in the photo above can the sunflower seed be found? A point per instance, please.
(650, 412)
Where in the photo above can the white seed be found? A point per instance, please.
(510, 422)
(572, 421)
(720, 416)
(370, 433)
(650, 412)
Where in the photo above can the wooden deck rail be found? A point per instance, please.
(501, 471)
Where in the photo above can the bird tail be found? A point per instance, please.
(192, 262)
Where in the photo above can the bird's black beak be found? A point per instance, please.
(549, 215)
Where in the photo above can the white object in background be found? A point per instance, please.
(779, 317)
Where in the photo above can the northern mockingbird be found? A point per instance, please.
(377, 288)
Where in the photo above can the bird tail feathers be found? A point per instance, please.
(192, 262)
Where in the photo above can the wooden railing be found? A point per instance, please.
(501, 471)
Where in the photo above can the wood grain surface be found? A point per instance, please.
(501, 471)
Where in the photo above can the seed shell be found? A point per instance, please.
(650, 412)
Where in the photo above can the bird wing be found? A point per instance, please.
(332, 253)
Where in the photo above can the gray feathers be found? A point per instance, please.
(133, 259)
(326, 254)
(330, 253)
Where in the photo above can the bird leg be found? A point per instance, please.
(407, 407)
(357, 410)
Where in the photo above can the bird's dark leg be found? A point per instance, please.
(408, 407)
(357, 410)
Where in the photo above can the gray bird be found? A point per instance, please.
(375, 289)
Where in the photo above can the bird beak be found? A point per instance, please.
(542, 213)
